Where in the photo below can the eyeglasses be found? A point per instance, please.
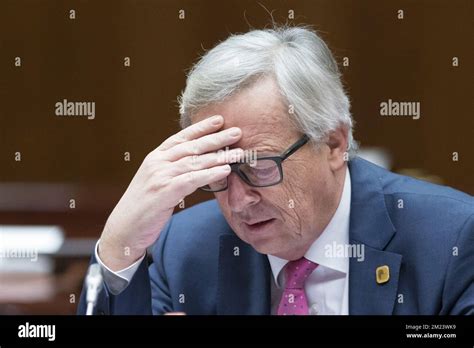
(261, 172)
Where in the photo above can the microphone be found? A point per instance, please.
(93, 286)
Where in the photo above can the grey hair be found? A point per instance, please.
(296, 57)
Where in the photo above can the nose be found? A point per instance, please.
(240, 195)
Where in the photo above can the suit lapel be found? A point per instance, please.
(243, 278)
(372, 229)
(365, 295)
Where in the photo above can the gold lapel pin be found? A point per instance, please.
(382, 274)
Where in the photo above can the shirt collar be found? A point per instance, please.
(335, 234)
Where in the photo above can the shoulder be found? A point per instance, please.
(425, 195)
(204, 217)
(194, 230)
(417, 200)
(422, 208)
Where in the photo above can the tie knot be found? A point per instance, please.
(297, 272)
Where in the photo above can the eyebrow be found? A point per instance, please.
(255, 148)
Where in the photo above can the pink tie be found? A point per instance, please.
(294, 301)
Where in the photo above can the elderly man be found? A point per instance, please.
(282, 234)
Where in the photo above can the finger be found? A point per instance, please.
(207, 143)
(197, 130)
(207, 160)
(187, 183)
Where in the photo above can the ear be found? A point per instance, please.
(337, 142)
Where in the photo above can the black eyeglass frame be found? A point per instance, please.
(277, 159)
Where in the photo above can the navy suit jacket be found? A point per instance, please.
(423, 232)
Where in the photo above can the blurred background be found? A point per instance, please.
(60, 177)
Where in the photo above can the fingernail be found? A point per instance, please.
(217, 120)
(235, 132)
(226, 168)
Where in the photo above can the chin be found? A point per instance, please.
(262, 237)
(267, 246)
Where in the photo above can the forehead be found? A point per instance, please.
(261, 113)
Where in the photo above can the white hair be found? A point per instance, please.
(301, 64)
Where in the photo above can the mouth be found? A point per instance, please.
(259, 226)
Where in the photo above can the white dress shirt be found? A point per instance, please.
(117, 282)
(327, 288)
